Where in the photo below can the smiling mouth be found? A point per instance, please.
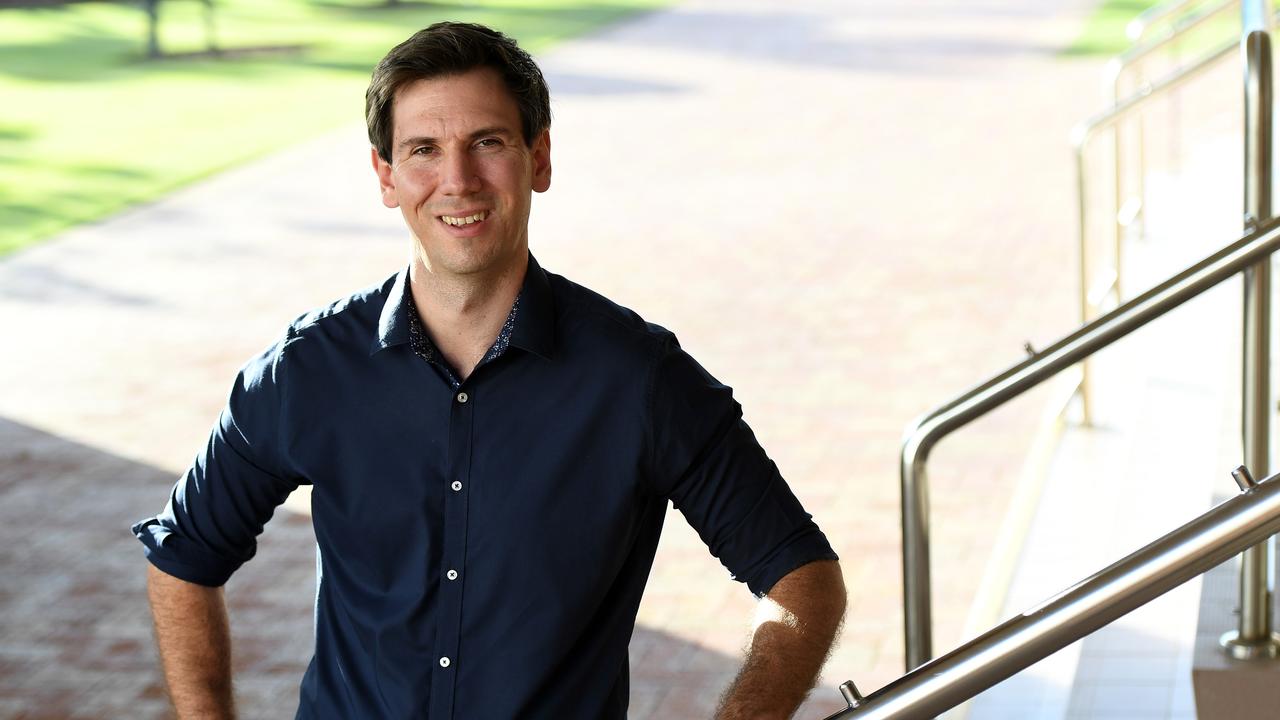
(463, 220)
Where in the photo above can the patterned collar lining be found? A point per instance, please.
(425, 349)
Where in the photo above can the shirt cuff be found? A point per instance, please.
(808, 546)
(174, 555)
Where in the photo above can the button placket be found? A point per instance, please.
(452, 553)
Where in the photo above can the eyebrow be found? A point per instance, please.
(424, 140)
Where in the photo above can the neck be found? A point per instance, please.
(463, 315)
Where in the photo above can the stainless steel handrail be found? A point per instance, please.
(1253, 637)
(1080, 138)
(925, 432)
(1120, 588)
(1117, 66)
(1129, 209)
(1138, 27)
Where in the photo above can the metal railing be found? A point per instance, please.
(925, 432)
(1253, 637)
(1251, 253)
(1129, 210)
(1092, 295)
(1138, 27)
(1122, 587)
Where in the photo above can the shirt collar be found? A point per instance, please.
(393, 323)
(534, 328)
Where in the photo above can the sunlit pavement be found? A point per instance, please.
(848, 211)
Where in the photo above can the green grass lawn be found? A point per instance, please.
(88, 126)
(1104, 31)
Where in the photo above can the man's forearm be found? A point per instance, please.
(799, 621)
(195, 646)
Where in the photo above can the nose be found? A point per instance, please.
(459, 174)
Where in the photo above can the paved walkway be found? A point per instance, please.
(848, 210)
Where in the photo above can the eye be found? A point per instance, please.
(422, 150)
(489, 142)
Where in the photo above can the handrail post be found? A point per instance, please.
(1082, 236)
(1118, 200)
(917, 604)
(1254, 638)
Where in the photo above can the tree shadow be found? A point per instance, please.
(42, 208)
(15, 133)
(86, 51)
(46, 284)
(383, 5)
(75, 633)
(233, 52)
(812, 40)
(563, 83)
(87, 57)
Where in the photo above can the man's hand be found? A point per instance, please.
(195, 646)
(796, 623)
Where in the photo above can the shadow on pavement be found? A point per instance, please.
(810, 40)
(562, 83)
(75, 637)
(46, 283)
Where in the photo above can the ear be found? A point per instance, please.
(386, 182)
(542, 162)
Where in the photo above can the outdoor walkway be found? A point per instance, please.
(848, 210)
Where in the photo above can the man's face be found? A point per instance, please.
(461, 173)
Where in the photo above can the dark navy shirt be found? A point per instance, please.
(482, 548)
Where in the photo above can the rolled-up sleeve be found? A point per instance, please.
(706, 459)
(217, 509)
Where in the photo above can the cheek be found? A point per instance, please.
(414, 186)
(508, 174)
(409, 176)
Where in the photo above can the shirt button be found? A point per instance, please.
(444, 662)
(452, 574)
(457, 485)
(462, 397)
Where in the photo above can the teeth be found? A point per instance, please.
(448, 220)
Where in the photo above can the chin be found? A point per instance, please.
(465, 263)
(466, 257)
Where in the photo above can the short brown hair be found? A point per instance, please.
(453, 48)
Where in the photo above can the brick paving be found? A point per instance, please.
(849, 211)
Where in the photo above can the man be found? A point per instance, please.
(490, 448)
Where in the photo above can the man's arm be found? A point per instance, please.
(195, 645)
(795, 627)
